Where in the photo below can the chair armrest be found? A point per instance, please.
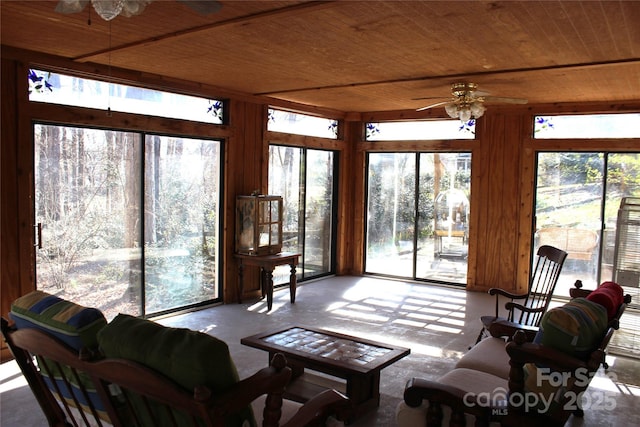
(505, 328)
(320, 407)
(502, 292)
(529, 352)
(579, 293)
(419, 389)
(511, 305)
(272, 379)
(460, 402)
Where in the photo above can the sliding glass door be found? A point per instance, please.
(577, 200)
(418, 215)
(181, 221)
(128, 222)
(305, 178)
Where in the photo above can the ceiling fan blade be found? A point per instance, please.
(427, 97)
(433, 105)
(203, 7)
(70, 6)
(505, 100)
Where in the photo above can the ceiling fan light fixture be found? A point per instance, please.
(467, 103)
(477, 109)
(108, 9)
(465, 113)
(452, 110)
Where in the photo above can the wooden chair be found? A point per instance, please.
(527, 314)
(132, 395)
(467, 396)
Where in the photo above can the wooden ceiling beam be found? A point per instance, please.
(457, 76)
(280, 12)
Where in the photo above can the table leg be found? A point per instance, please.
(263, 282)
(292, 283)
(240, 288)
(364, 391)
(269, 283)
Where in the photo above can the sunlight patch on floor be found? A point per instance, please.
(410, 307)
(453, 322)
(412, 323)
(440, 328)
(448, 306)
(381, 303)
(360, 315)
(11, 377)
(262, 307)
(426, 317)
(361, 307)
(435, 311)
(430, 350)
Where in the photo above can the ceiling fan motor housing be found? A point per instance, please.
(460, 90)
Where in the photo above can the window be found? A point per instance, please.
(587, 126)
(81, 92)
(302, 124)
(305, 178)
(418, 215)
(420, 130)
(129, 221)
(577, 198)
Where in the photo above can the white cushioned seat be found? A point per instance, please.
(464, 379)
(489, 356)
(473, 381)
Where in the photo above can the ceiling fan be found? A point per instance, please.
(109, 9)
(468, 102)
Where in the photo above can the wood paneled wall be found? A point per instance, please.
(14, 282)
(495, 191)
(245, 171)
(503, 156)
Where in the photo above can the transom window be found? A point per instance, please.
(54, 88)
(420, 130)
(302, 124)
(587, 126)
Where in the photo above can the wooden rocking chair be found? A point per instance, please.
(527, 314)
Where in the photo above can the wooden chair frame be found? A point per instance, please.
(537, 299)
(521, 351)
(202, 406)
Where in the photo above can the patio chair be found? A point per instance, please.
(133, 372)
(527, 314)
(516, 383)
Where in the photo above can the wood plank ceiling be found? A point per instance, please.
(358, 56)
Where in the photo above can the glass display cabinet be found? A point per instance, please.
(258, 224)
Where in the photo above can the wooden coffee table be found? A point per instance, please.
(356, 360)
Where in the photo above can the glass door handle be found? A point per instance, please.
(38, 243)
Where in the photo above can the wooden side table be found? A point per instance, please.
(267, 264)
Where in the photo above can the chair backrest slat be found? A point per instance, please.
(543, 282)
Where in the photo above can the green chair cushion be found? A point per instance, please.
(71, 323)
(190, 358)
(575, 328)
(75, 325)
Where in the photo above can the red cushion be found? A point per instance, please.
(610, 296)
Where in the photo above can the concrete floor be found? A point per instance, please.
(437, 323)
